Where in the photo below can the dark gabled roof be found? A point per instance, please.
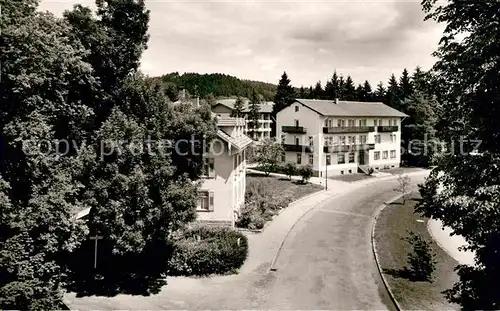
(350, 108)
(265, 107)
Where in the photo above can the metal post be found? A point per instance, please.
(95, 238)
(326, 177)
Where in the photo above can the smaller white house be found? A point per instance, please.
(340, 137)
(223, 186)
(224, 107)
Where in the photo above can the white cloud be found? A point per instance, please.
(260, 39)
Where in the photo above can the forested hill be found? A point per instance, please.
(217, 84)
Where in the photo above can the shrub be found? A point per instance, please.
(205, 250)
(306, 172)
(422, 258)
(290, 169)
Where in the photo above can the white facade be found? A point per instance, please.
(223, 186)
(224, 107)
(338, 144)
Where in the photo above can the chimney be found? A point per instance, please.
(336, 101)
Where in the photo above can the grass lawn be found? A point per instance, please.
(392, 226)
(404, 170)
(351, 177)
(282, 186)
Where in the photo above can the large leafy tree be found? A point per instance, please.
(468, 68)
(74, 81)
(42, 74)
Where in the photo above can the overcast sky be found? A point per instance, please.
(258, 40)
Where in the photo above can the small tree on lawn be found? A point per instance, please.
(290, 169)
(422, 258)
(403, 185)
(306, 172)
(268, 153)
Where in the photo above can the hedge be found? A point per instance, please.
(203, 250)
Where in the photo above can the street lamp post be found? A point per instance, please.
(326, 177)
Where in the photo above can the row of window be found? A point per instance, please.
(385, 154)
(341, 159)
(362, 122)
(341, 140)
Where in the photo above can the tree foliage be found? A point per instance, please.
(463, 190)
(238, 108)
(268, 154)
(220, 85)
(72, 84)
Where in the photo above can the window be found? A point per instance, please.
(362, 139)
(390, 122)
(296, 141)
(351, 140)
(340, 158)
(205, 201)
(362, 122)
(311, 159)
(327, 141)
(328, 159)
(393, 154)
(299, 158)
(296, 108)
(283, 138)
(296, 123)
(377, 139)
(384, 154)
(342, 140)
(376, 155)
(209, 168)
(350, 122)
(393, 138)
(326, 122)
(283, 157)
(341, 172)
(350, 171)
(375, 122)
(311, 141)
(330, 123)
(380, 122)
(351, 157)
(395, 122)
(340, 122)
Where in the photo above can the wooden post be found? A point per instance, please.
(95, 238)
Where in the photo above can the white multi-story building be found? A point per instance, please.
(224, 183)
(224, 107)
(340, 137)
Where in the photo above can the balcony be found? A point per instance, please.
(385, 129)
(348, 129)
(297, 148)
(348, 148)
(294, 129)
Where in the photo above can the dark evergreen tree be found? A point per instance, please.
(254, 113)
(285, 96)
(341, 89)
(318, 91)
(405, 88)
(359, 93)
(238, 108)
(350, 89)
(367, 91)
(380, 92)
(393, 95)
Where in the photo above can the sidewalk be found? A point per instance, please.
(450, 243)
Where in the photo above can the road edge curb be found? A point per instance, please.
(375, 253)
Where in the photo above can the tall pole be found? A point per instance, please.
(326, 176)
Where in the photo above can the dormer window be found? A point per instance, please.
(296, 108)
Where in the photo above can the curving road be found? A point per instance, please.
(326, 263)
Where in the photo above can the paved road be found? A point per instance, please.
(326, 263)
